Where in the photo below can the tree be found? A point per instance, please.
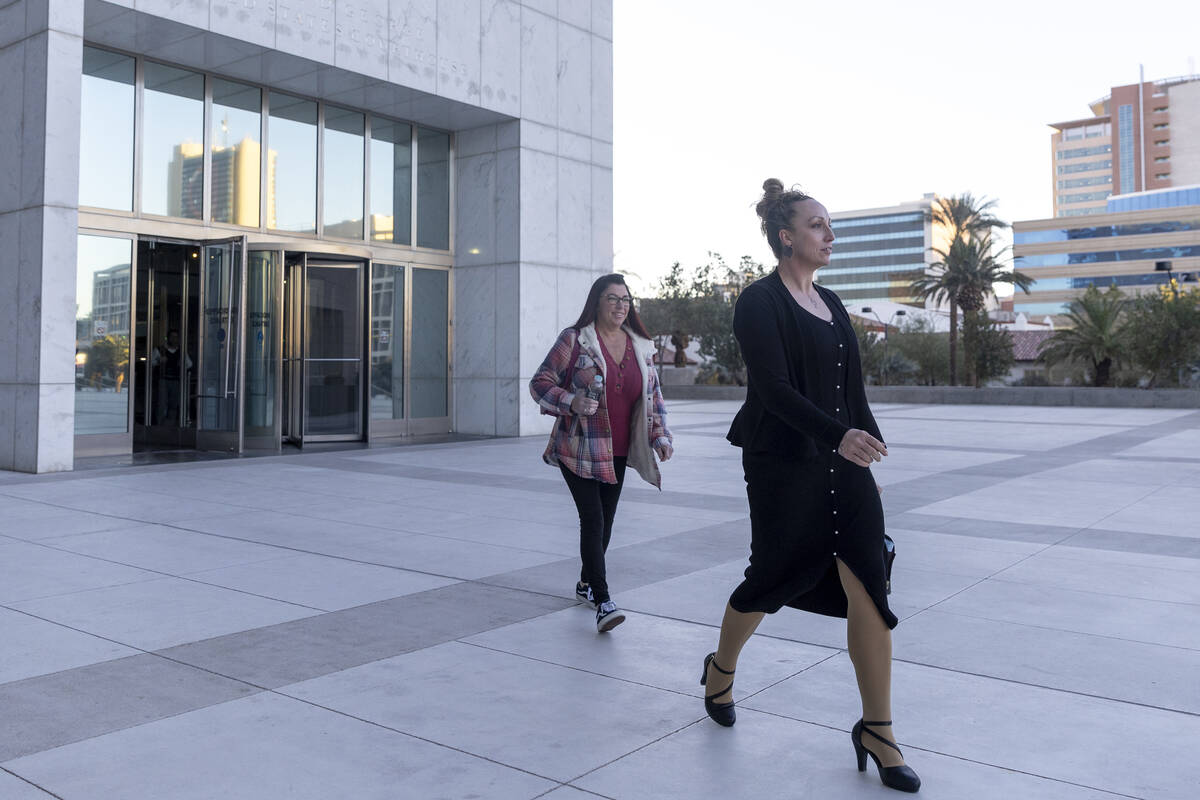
(926, 348)
(981, 270)
(1163, 334)
(962, 217)
(990, 354)
(1096, 334)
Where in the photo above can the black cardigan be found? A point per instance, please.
(777, 416)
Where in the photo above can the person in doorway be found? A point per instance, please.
(595, 438)
(808, 439)
(168, 362)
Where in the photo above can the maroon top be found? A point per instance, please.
(621, 393)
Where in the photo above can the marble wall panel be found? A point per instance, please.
(511, 394)
(602, 153)
(576, 12)
(412, 44)
(475, 141)
(57, 274)
(27, 308)
(500, 56)
(475, 322)
(8, 423)
(51, 172)
(574, 79)
(539, 67)
(12, 110)
(602, 219)
(601, 95)
(536, 136)
(602, 18)
(539, 201)
(548, 7)
(538, 314)
(12, 23)
(26, 432)
(508, 205)
(360, 36)
(531, 420)
(573, 287)
(574, 213)
(305, 28)
(574, 146)
(508, 134)
(458, 49)
(189, 12)
(10, 234)
(250, 20)
(65, 16)
(475, 405)
(507, 303)
(475, 218)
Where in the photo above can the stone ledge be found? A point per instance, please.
(991, 395)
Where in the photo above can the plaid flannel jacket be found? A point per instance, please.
(581, 443)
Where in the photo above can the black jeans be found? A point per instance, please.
(597, 505)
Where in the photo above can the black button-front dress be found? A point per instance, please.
(805, 513)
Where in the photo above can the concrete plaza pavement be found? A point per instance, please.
(399, 622)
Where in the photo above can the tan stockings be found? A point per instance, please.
(870, 645)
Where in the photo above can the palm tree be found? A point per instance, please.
(1095, 336)
(961, 216)
(980, 268)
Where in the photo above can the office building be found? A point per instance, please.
(879, 252)
(1130, 245)
(1140, 137)
(362, 218)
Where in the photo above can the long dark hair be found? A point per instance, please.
(775, 209)
(592, 303)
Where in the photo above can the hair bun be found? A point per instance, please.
(772, 187)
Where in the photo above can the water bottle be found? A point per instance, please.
(596, 390)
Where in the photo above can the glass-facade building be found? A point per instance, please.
(878, 253)
(1142, 241)
(259, 234)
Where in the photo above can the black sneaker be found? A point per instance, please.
(583, 593)
(608, 616)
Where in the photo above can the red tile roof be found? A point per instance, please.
(1028, 344)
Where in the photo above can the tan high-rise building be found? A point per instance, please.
(1140, 137)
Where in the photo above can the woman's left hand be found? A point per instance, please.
(665, 451)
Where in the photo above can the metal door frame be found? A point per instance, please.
(273, 441)
(360, 266)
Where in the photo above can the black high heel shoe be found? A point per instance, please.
(721, 713)
(900, 777)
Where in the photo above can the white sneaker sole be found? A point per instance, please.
(610, 622)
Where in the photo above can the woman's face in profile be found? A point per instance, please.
(812, 233)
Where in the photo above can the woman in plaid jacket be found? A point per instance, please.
(593, 440)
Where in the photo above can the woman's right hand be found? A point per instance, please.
(582, 404)
(861, 448)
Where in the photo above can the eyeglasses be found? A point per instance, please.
(613, 300)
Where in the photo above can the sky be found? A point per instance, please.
(861, 103)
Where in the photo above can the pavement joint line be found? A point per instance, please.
(20, 777)
(408, 734)
(918, 748)
(639, 748)
(999, 578)
(988, 421)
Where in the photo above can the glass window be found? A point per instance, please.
(106, 130)
(343, 173)
(387, 342)
(433, 189)
(429, 381)
(391, 181)
(1125, 134)
(173, 142)
(292, 164)
(102, 300)
(236, 152)
(262, 366)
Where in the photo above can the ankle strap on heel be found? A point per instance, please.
(712, 659)
(862, 726)
(879, 724)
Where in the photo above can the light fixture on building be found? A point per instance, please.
(474, 251)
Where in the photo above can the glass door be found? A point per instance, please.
(332, 343)
(264, 341)
(219, 369)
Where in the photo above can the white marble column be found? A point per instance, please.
(41, 51)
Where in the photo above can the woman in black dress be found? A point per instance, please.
(808, 440)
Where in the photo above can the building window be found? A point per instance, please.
(102, 301)
(1125, 131)
(236, 152)
(1161, 142)
(1162, 176)
(433, 190)
(1159, 109)
(1081, 152)
(1074, 182)
(391, 181)
(343, 164)
(106, 130)
(1082, 197)
(1162, 159)
(1162, 126)
(1087, 166)
(292, 172)
(173, 142)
